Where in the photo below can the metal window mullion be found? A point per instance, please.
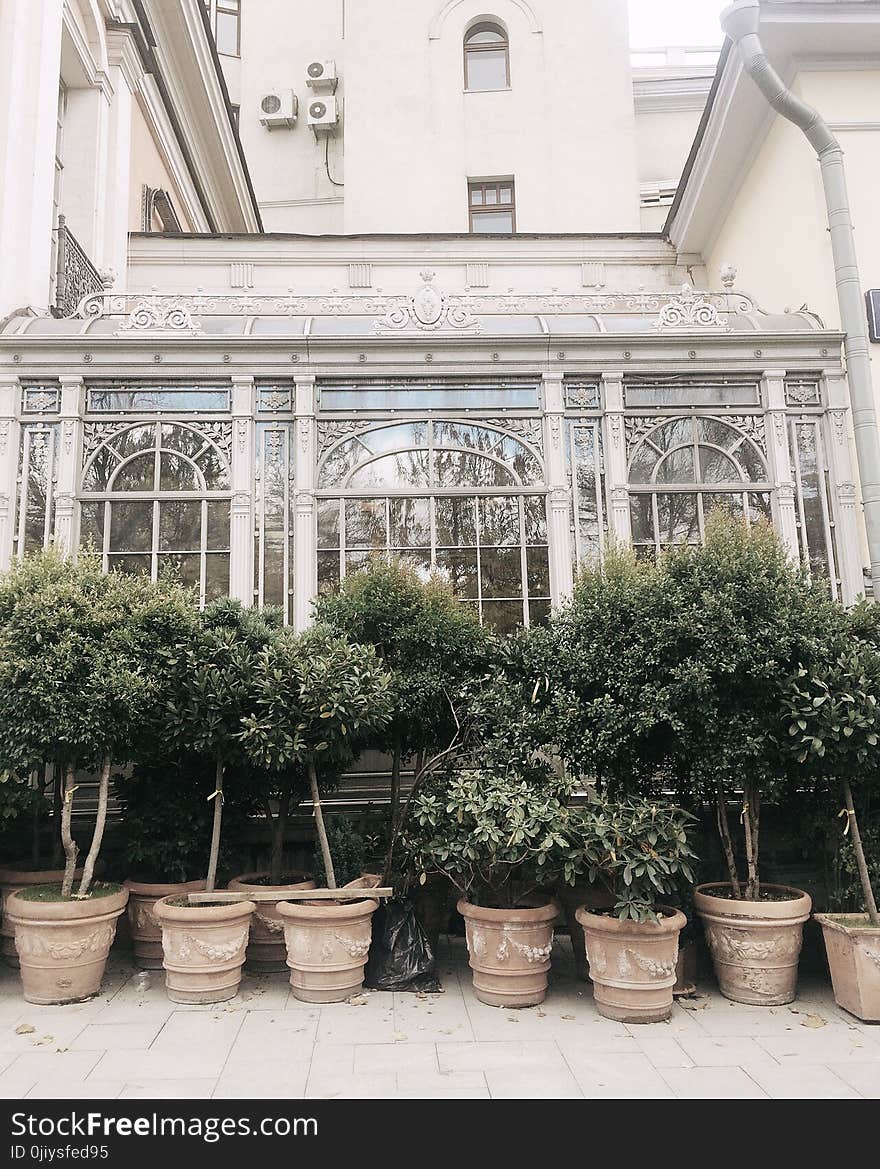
(154, 562)
(261, 519)
(701, 517)
(655, 517)
(50, 473)
(105, 536)
(796, 461)
(432, 520)
(477, 536)
(285, 530)
(597, 468)
(203, 550)
(575, 489)
(524, 571)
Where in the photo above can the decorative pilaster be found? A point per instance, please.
(559, 502)
(779, 458)
(241, 546)
(305, 577)
(10, 393)
(616, 470)
(848, 522)
(68, 464)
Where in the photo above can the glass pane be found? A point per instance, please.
(539, 612)
(677, 519)
(538, 560)
(716, 467)
(506, 195)
(91, 526)
(407, 469)
(145, 398)
(751, 462)
(499, 520)
(491, 196)
(679, 432)
(486, 69)
(410, 523)
(730, 504)
(535, 518)
(760, 508)
(459, 569)
(484, 34)
(274, 581)
(227, 33)
(186, 568)
(417, 395)
(328, 571)
(365, 523)
(213, 466)
(135, 565)
(807, 454)
(677, 466)
(218, 524)
(503, 616)
(455, 522)
(37, 499)
(216, 575)
(642, 519)
(488, 222)
(468, 469)
(181, 439)
(477, 196)
(176, 474)
(501, 572)
(641, 468)
(328, 523)
(138, 475)
(131, 526)
(418, 562)
(180, 525)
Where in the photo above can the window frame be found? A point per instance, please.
(476, 210)
(213, 7)
(472, 50)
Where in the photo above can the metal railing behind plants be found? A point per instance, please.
(76, 275)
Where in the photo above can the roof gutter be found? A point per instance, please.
(741, 21)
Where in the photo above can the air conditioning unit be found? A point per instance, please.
(278, 110)
(321, 76)
(323, 115)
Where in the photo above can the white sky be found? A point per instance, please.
(656, 23)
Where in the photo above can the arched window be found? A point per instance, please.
(686, 467)
(486, 57)
(461, 500)
(156, 495)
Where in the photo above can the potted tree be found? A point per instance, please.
(500, 836)
(314, 697)
(81, 666)
(832, 721)
(204, 945)
(639, 850)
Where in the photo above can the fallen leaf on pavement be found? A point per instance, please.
(24, 1029)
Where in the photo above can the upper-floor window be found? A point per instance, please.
(492, 207)
(486, 57)
(225, 18)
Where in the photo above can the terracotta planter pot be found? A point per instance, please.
(509, 952)
(203, 948)
(327, 947)
(144, 929)
(20, 878)
(266, 952)
(754, 944)
(63, 945)
(571, 898)
(633, 964)
(854, 961)
(686, 968)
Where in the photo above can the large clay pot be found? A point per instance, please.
(266, 952)
(144, 929)
(21, 878)
(327, 947)
(571, 898)
(509, 952)
(633, 964)
(203, 948)
(755, 944)
(63, 945)
(854, 960)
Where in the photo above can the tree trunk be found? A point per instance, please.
(98, 834)
(864, 876)
(395, 813)
(35, 822)
(726, 842)
(319, 825)
(57, 811)
(70, 849)
(751, 859)
(279, 825)
(211, 879)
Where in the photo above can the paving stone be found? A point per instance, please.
(716, 1051)
(661, 1049)
(826, 1045)
(536, 1055)
(604, 1075)
(183, 1089)
(523, 1084)
(864, 1077)
(391, 1057)
(116, 1036)
(171, 1063)
(803, 1082)
(713, 1083)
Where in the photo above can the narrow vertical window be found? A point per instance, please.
(492, 206)
(225, 17)
(486, 57)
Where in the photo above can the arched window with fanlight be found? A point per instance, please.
(486, 57)
(682, 468)
(461, 500)
(156, 495)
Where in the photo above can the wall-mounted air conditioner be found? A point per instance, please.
(321, 76)
(323, 115)
(278, 109)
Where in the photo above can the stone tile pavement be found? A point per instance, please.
(130, 1043)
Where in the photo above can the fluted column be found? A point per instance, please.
(305, 574)
(614, 447)
(779, 458)
(67, 464)
(847, 505)
(241, 546)
(559, 502)
(10, 392)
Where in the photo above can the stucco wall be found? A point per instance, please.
(148, 168)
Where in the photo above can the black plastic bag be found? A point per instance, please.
(401, 957)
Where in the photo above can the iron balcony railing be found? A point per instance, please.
(75, 274)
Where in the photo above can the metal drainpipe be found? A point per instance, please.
(740, 22)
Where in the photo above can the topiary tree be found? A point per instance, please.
(314, 698)
(213, 679)
(83, 661)
(429, 642)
